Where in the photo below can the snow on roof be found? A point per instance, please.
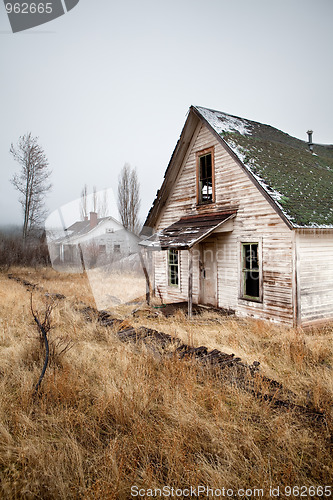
(223, 123)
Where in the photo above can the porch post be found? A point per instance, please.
(190, 282)
(145, 272)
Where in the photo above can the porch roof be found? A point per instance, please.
(187, 231)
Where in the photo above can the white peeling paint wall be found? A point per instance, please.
(315, 274)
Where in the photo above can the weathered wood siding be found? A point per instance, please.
(315, 274)
(161, 277)
(256, 220)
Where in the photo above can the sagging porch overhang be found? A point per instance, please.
(187, 231)
(184, 234)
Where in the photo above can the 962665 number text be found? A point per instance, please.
(32, 8)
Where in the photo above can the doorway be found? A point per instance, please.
(208, 273)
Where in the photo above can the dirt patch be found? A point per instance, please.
(197, 309)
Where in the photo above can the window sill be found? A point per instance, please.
(251, 299)
(205, 204)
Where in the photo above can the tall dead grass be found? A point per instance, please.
(110, 416)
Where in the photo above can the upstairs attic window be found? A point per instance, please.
(205, 176)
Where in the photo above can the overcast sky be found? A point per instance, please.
(111, 82)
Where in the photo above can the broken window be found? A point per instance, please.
(250, 271)
(205, 178)
(173, 267)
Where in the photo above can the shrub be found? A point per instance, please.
(15, 252)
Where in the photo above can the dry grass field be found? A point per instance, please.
(110, 415)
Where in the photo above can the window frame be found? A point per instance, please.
(200, 154)
(244, 269)
(174, 265)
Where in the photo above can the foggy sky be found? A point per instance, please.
(111, 82)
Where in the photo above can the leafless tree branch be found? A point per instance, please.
(103, 204)
(95, 199)
(84, 203)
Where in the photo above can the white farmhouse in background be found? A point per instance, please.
(97, 240)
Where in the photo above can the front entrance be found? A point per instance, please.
(208, 273)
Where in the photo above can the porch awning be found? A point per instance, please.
(187, 231)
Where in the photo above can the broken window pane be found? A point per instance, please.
(205, 179)
(252, 284)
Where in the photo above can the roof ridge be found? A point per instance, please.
(255, 122)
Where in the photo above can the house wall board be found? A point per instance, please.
(315, 274)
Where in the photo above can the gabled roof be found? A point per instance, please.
(80, 228)
(297, 183)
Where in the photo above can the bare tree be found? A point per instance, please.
(84, 203)
(95, 199)
(103, 204)
(98, 201)
(32, 181)
(129, 198)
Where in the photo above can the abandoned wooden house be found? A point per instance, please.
(244, 221)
